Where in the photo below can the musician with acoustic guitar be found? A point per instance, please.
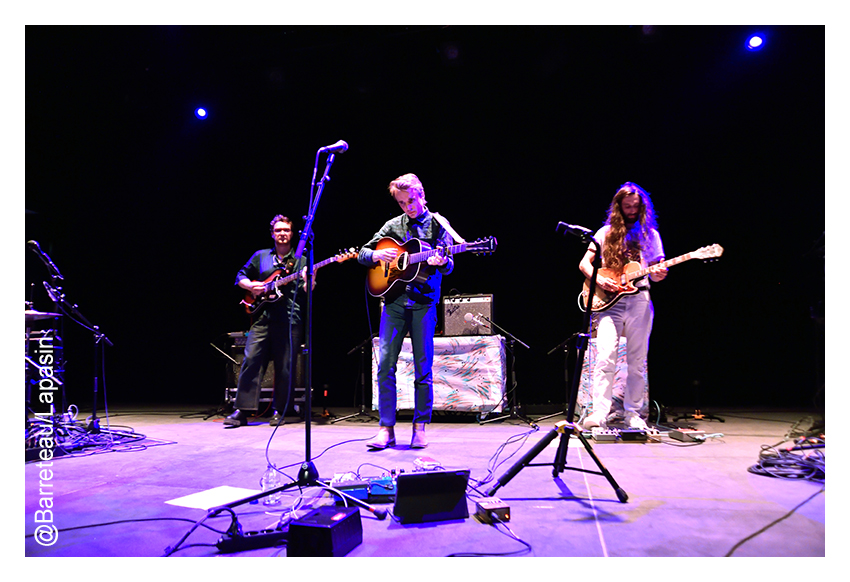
(277, 328)
(629, 236)
(409, 303)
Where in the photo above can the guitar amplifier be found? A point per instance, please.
(456, 308)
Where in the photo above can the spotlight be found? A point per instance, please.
(755, 42)
(201, 113)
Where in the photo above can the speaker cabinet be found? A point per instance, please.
(457, 322)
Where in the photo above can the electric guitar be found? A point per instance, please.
(272, 286)
(603, 300)
(410, 263)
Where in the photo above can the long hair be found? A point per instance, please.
(622, 243)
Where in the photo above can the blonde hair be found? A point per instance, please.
(407, 183)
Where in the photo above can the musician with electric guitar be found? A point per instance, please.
(277, 328)
(408, 257)
(629, 236)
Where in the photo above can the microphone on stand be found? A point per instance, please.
(336, 148)
(573, 229)
(34, 246)
(474, 319)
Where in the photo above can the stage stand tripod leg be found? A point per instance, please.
(560, 464)
(565, 430)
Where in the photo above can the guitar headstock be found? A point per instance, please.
(345, 255)
(709, 253)
(482, 246)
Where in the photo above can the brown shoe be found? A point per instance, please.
(385, 438)
(418, 441)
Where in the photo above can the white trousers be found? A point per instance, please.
(630, 318)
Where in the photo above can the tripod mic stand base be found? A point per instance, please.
(308, 474)
(514, 414)
(355, 415)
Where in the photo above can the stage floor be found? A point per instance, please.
(683, 499)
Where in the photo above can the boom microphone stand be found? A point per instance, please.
(514, 405)
(308, 475)
(566, 428)
(58, 297)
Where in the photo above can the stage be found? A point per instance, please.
(685, 499)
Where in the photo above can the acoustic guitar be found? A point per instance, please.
(410, 264)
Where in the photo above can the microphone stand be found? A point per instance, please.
(308, 474)
(99, 340)
(514, 405)
(362, 347)
(566, 428)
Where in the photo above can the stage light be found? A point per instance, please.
(201, 113)
(755, 42)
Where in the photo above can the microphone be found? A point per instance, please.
(473, 319)
(336, 148)
(380, 513)
(573, 229)
(34, 246)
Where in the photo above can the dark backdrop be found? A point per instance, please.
(149, 212)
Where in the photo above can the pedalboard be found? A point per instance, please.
(624, 435)
(371, 489)
(490, 510)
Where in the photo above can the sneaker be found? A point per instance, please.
(594, 421)
(276, 419)
(634, 421)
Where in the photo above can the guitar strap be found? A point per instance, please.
(445, 224)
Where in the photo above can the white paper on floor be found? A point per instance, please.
(213, 497)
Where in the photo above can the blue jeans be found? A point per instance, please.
(396, 322)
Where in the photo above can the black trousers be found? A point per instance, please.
(268, 341)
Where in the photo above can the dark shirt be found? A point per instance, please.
(426, 228)
(260, 267)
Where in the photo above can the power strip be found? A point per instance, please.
(687, 435)
(486, 509)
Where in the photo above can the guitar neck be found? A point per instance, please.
(658, 266)
(290, 278)
(424, 255)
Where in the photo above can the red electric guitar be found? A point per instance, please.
(276, 281)
(603, 300)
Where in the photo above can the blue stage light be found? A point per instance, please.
(755, 42)
(201, 113)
